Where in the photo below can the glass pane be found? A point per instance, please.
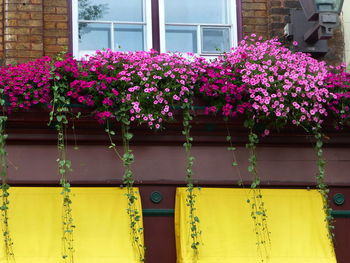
(215, 40)
(111, 10)
(129, 37)
(181, 38)
(94, 36)
(196, 11)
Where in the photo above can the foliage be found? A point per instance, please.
(138, 86)
(28, 84)
(9, 254)
(191, 196)
(130, 87)
(59, 118)
(258, 210)
(128, 180)
(264, 83)
(338, 82)
(322, 186)
(274, 87)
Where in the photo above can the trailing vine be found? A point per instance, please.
(58, 116)
(321, 184)
(233, 149)
(259, 78)
(191, 196)
(5, 186)
(258, 210)
(128, 181)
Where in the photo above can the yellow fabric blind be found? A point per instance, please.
(102, 233)
(295, 220)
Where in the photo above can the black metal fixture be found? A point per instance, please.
(312, 26)
(156, 197)
(339, 199)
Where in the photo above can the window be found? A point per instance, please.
(206, 27)
(203, 27)
(115, 24)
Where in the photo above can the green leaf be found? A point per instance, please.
(128, 136)
(59, 118)
(250, 168)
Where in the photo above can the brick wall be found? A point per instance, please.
(33, 28)
(255, 17)
(55, 26)
(23, 30)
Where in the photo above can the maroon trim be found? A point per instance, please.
(70, 26)
(239, 20)
(155, 25)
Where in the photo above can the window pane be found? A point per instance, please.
(215, 40)
(196, 11)
(111, 10)
(181, 38)
(94, 36)
(129, 37)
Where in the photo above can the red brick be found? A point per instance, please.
(50, 41)
(38, 46)
(62, 25)
(62, 41)
(30, 23)
(61, 10)
(55, 18)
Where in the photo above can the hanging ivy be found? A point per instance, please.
(58, 117)
(256, 202)
(128, 180)
(191, 196)
(262, 81)
(321, 184)
(9, 254)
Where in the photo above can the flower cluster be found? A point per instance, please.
(140, 86)
(338, 82)
(279, 85)
(224, 86)
(27, 84)
(260, 78)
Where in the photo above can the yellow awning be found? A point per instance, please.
(295, 220)
(102, 233)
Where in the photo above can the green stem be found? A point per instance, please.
(128, 181)
(58, 115)
(234, 158)
(258, 210)
(5, 193)
(112, 145)
(64, 166)
(191, 196)
(321, 184)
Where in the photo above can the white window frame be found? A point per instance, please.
(232, 16)
(147, 14)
